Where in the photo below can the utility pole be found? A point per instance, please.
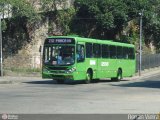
(1, 56)
(140, 43)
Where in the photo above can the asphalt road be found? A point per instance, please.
(37, 96)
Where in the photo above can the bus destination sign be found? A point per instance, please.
(59, 41)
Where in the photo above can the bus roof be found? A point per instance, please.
(82, 39)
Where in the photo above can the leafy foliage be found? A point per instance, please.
(107, 15)
(3, 25)
(104, 19)
(20, 9)
(52, 5)
(65, 19)
(109, 18)
(58, 12)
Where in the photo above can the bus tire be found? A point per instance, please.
(113, 79)
(95, 80)
(119, 75)
(60, 81)
(88, 77)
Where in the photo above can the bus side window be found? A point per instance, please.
(119, 52)
(113, 50)
(125, 53)
(131, 53)
(80, 56)
(96, 50)
(89, 50)
(105, 51)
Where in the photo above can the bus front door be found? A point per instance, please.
(80, 61)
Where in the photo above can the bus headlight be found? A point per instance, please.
(71, 70)
(45, 70)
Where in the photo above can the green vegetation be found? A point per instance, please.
(58, 12)
(104, 19)
(4, 25)
(20, 9)
(110, 18)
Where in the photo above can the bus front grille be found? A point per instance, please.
(58, 68)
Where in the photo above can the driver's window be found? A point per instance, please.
(80, 53)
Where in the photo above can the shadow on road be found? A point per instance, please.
(145, 84)
(41, 82)
(68, 82)
(53, 82)
(108, 80)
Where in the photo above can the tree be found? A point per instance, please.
(108, 18)
(60, 13)
(53, 5)
(20, 9)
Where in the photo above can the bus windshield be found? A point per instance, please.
(59, 55)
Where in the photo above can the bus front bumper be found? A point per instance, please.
(55, 76)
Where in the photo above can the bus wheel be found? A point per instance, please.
(95, 80)
(60, 81)
(119, 75)
(88, 77)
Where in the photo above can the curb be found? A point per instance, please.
(13, 79)
(146, 73)
(6, 82)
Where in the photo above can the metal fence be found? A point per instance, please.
(148, 61)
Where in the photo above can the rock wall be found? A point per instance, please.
(28, 56)
(21, 41)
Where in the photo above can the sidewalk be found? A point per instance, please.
(19, 79)
(146, 73)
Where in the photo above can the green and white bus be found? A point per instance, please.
(77, 58)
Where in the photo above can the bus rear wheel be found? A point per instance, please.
(88, 77)
(119, 76)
